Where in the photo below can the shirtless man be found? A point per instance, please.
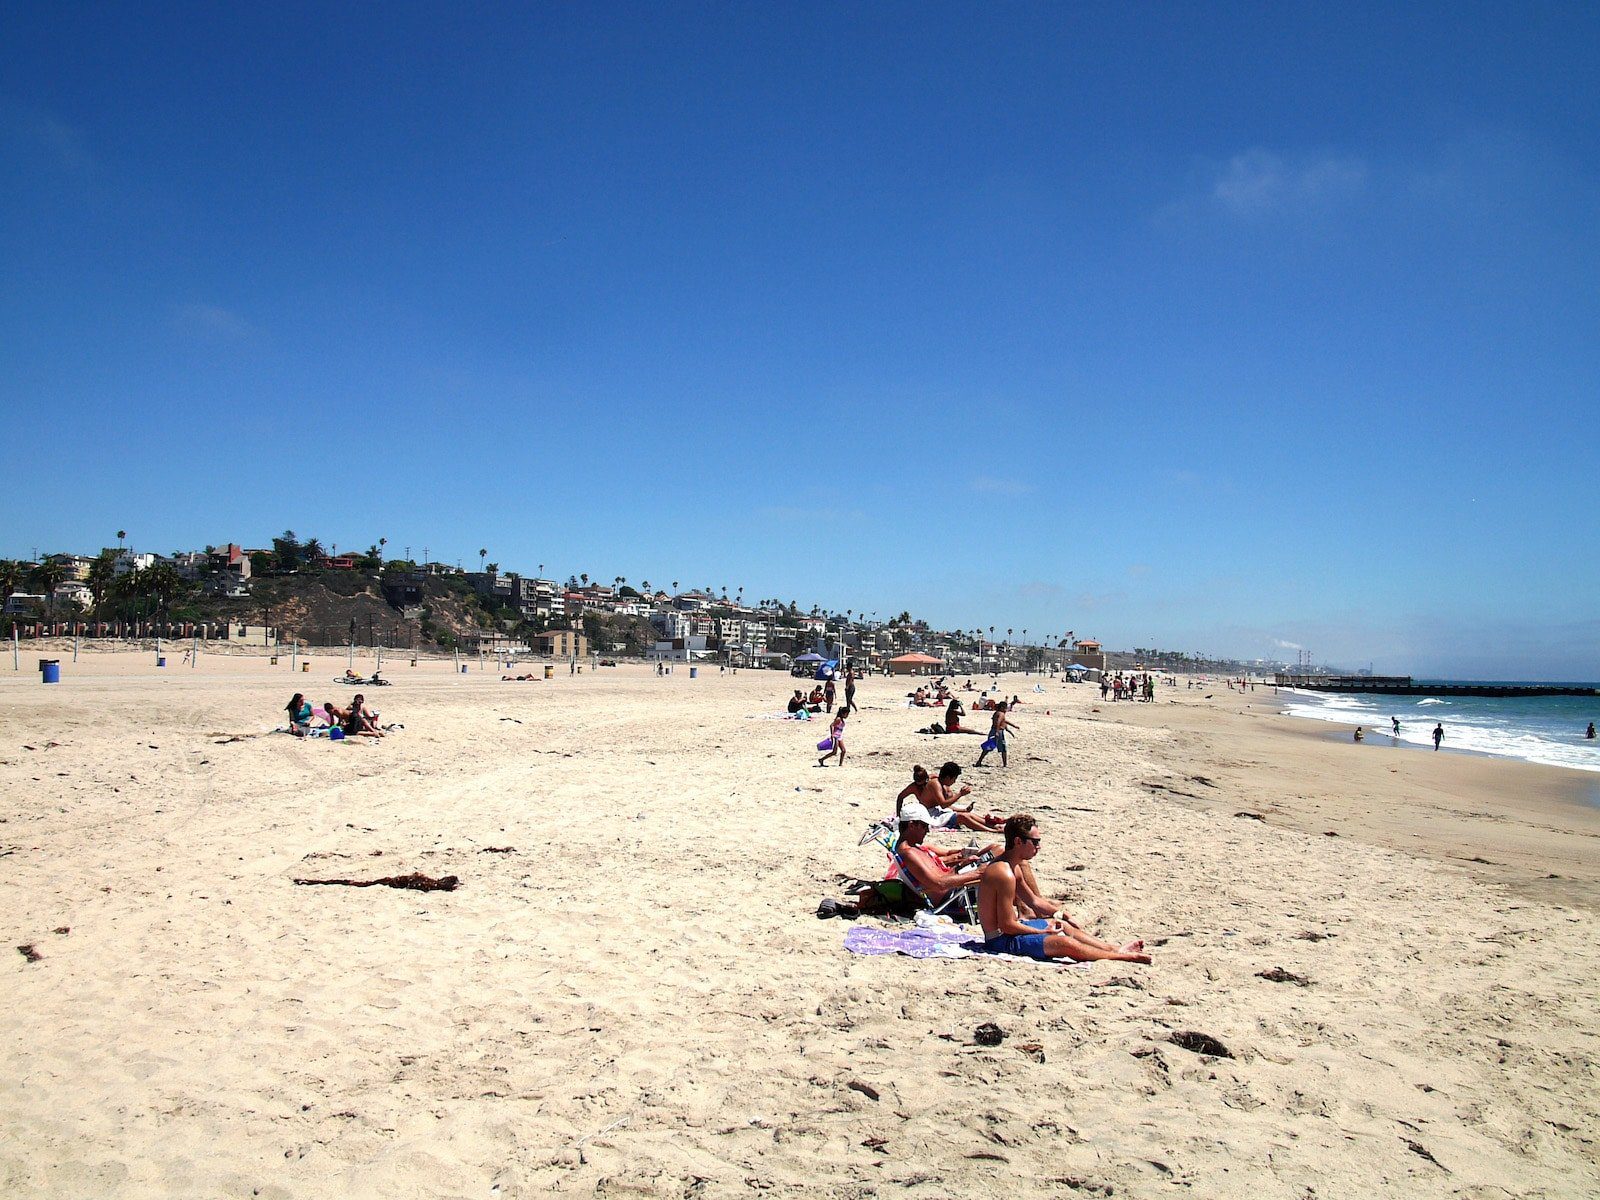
(998, 729)
(1001, 902)
(938, 798)
(937, 871)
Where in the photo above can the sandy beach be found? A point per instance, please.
(629, 994)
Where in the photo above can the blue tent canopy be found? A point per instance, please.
(1076, 667)
(809, 658)
(826, 670)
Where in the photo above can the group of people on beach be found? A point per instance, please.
(356, 721)
(1134, 687)
(1015, 915)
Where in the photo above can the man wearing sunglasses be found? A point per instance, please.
(1005, 931)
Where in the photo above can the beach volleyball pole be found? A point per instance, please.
(194, 651)
(75, 646)
(16, 662)
(294, 656)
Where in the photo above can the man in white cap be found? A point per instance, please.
(937, 872)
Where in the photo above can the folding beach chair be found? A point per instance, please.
(959, 903)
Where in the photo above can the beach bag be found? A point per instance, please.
(825, 744)
(990, 744)
(888, 897)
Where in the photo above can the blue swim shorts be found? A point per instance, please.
(1024, 945)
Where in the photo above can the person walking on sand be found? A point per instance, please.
(1438, 734)
(999, 725)
(850, 689)
(835, 740)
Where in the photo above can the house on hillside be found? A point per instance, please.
(77, 566)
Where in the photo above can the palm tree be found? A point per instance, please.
(102, 572)
(674, 587)
(482, 554)
(313, 550)
(585, 578)
(45, 577)
(10, 573)
(382, 542)
(121, 533)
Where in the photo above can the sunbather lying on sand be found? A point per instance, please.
(1004, 895)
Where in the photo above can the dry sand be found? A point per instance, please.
(629, 995)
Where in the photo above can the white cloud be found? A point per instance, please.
(1258, 181)
(1283, 645)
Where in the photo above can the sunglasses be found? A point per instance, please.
(1036, 841)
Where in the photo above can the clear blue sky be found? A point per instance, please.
(1196, 326)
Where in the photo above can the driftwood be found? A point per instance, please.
(415, 882)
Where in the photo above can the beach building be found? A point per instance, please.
(914, 664)
(24, 604)
(1088, 654)
(491, 641)
(561, 644)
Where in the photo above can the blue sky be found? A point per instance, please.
(1214, 328)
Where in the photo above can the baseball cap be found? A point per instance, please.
(912, 811)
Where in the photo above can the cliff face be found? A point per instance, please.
(319, 609)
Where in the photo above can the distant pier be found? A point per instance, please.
(1404, 685)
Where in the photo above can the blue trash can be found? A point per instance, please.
(463, 668)
(161, 660)
(50, 670)
(694, 672)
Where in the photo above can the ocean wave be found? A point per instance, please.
(1478, 733)
(1420, 703)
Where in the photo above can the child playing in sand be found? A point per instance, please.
(835, 742)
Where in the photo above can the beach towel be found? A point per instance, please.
(913, 942)
(933, 941)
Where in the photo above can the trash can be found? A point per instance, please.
(336, 734)
(161, 660)
(305, 666)
(50, 670)
(463, 668)
(549, 671)
(694, 672)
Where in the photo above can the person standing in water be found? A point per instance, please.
(1395, 721)
(1590, 733)
(1438, 734)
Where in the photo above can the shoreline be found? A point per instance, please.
(1532, 827)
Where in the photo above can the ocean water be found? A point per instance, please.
(1541, 729)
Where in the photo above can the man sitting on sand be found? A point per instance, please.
(952, 719)
(1003, 896)
(938, 872)
(937, 797)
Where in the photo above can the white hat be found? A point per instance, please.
(912, 811)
